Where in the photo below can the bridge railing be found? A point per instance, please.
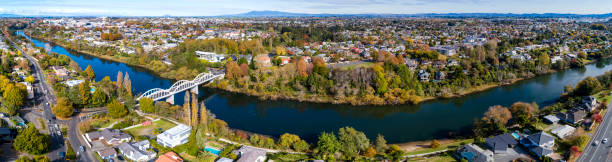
(179, 86)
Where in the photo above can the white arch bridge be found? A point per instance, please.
(182, 85)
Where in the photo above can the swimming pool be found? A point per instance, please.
(515, 135)
(212, 150)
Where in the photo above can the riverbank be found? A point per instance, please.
(313, 98)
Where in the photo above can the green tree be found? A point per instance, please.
(587, 86)
(286, 140)
(63, 108)
(42, 159)
(90, 73)
(146, 105)
(381, 81)
(381, 144)
(32, 141)
(116, 109)
(98, 98)
(353, 142)
(85, 92)
(24, 159)
(328, 144)
(300, 146)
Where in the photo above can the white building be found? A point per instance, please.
(175, 136)
(210, 56)
(563, 131)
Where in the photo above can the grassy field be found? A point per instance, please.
(449, 146)
(603, 95)
(148, 130)
(440, 158)
(43, 124)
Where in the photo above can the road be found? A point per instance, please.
(45, 97)
(602, 152)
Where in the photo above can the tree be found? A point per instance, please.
(24, 159)
(328, 144)
(119, 80)
(381, 81)
(85, 92)
(587, 86)
(300, 146)
(232, 70)
(116, 109)
(380, 144)
(287, 140)
(14, 95)
(203, 116)
(127, 84)
(98, 98)
(280, 51)
(90, 73)
(146, 105)
(42, 159)
(370, 152)
(498, 115)
(434, 144)
(522, 112)
(30, 79)
(194, 110)
(63, 108)
(353, 141)
(32, 141)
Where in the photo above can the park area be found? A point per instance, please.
(155, 128)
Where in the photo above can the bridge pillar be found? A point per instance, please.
(170, 99)
(194, 90)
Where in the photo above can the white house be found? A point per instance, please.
(563, 131)
(175, 136)
(210, 56)
(137, 151)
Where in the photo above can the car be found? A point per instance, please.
(595, 143)
(604, 141)
(62, 154)
(81, 148)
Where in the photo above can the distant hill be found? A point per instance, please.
(10, 15)
(267, 13)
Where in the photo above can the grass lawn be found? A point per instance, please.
(440, 158)
(42, 123)
(449, 146)
(353, 66)
(542, 126)
(148, 130)
(605, 94)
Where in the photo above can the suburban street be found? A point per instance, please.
(601, 152)
(45, 97)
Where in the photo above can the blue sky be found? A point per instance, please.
(223, 7)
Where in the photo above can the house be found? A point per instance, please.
(412, 64)
(109, 136)
(263, 60)
(539, 144)
(250, 154)
(72, 83)
(107, 153)
(60, 72)
(473, 153)
(588, 103)
(29, 89)
(284, 60)
(169, 157)
(563, 131)
(446, 50)
(501, 143)
(224, 160)
(175, 136)
(136, 151)
(439, 76)
(423, 76)
(551, 119)
(210, 56)
(572, 116)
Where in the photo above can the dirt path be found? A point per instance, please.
(418, 145)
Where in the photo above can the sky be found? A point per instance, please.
(225, 7)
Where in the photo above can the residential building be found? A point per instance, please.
(572, 116)
(223, 159)
(175, 136)
(250, 154)
(540, 144)
(563, 131)
(210, 56)
(169, 157)
(551, 119)
(108, 136)
(137, 151)
(473, 153)
(107, 153)
(588, 103)
(501, 143)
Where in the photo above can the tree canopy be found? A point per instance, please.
(116, 109)
(32, 141)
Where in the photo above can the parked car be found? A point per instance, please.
(62, 155)
(604, 141)
(81, 148)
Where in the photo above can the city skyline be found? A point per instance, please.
(219, 7)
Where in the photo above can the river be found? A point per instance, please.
(433, 119)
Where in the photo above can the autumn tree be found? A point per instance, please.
(63, 108)
(85, 92)
(522, 113)
(30, 79)
(381, 81)
(434, 144)
(116, 109)
(89, 72)
(286, 140)
(14, 95)
(119, 82)
(498, 115)
(186, 109)
(232, 70)
(127, 84)
(194, 110)
(587, 86)
(98, 98)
